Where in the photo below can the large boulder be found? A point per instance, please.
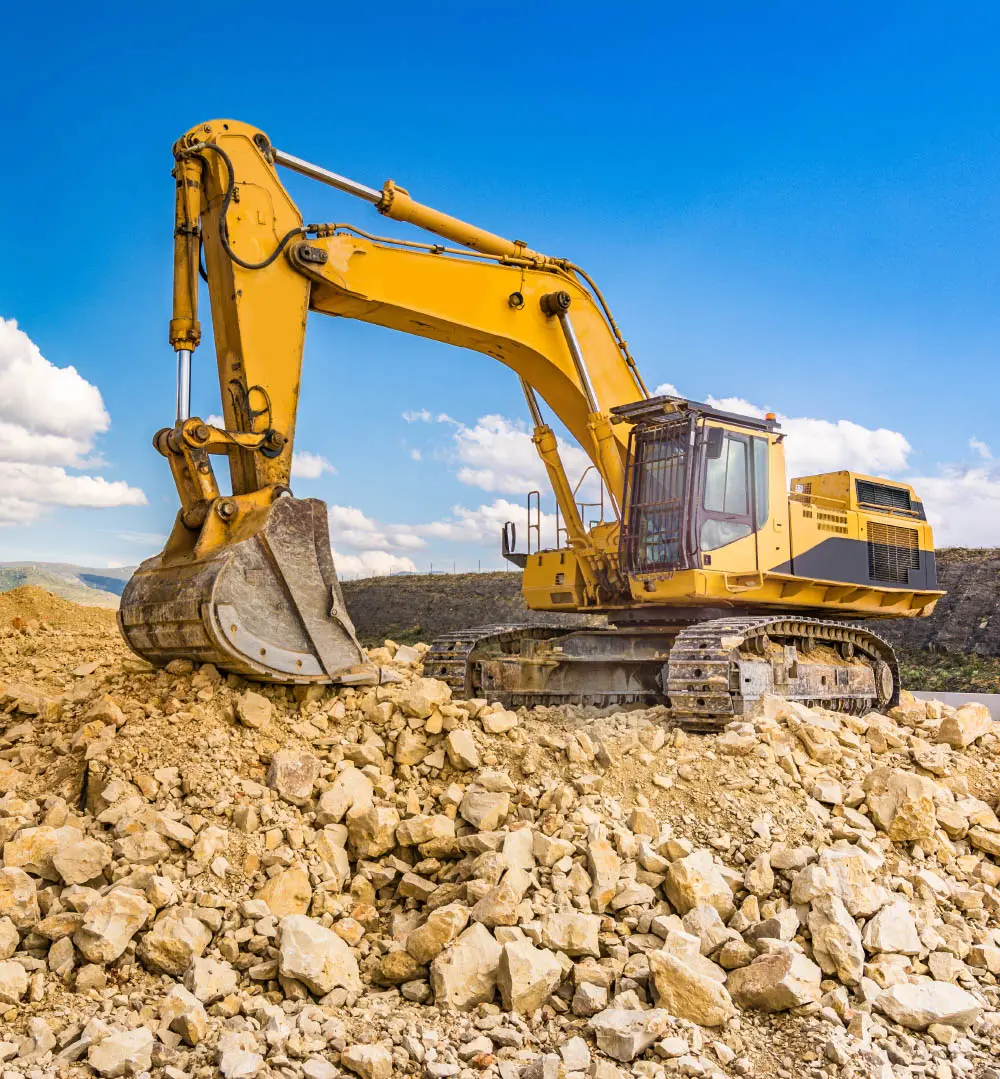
(173, 944)
(697, 880)
(919, 1004)
(466, 974)
(109, 923)
(316, 956)
(686, 993)
(836, 939)
(776, 983)
(527, 976)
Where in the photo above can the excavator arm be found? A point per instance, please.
(247, 580)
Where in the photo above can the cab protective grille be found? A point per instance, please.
(892, 553)
(655, 519)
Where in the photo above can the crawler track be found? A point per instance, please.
(708, 672)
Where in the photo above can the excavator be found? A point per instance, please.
(718, 582)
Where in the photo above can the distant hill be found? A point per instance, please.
(88, 586)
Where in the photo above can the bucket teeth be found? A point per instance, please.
(268, 607)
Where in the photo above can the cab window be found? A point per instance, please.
(729, 480)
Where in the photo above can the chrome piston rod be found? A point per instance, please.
(316, 172)
(183, 384)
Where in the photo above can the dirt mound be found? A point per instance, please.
(203, 876)
(32, 604)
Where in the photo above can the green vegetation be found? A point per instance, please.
(950, 673)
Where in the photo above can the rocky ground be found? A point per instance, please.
(202, 877)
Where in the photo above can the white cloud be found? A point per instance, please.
(814, 445)
(416, 455)
(48, 414)
(351, 527)
(981, 448)
(666, 389)
(49, 419)
(371, 564)
(29, 488)
(483, 524)
(310, 466)
(963, 504)
(420, 415)
(497, 454)
(214, 420)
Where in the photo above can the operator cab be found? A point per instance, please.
(697, 480)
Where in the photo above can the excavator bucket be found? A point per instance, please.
(268, 607)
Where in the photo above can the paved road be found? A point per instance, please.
(991, 700)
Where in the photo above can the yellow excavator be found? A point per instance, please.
(719, 583)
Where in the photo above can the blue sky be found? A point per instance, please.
(793, 205)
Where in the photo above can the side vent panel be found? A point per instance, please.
(883, 496)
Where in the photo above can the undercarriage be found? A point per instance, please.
(707, 672)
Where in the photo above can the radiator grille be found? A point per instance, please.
(880, 494)
(892, 552)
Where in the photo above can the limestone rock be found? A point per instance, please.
(466, 974)
(316, 956)
(13, 982)
(287, 892)
(9, 938)
(18, 898)
(605, 868)
(32, 849)
(122, 1052)
(893, 930)
(527, 976)
(173, 944)
(368, 1061)
(695, 880)
(184, 1014)
(485, 810)
(847, 872)
(423, 695)
(759, 878)
(461, 749)
(836, 939)
(443, 925)
(423, 828)
(372, 832)
(573, 932)
(293, 775)
(965, 725)
(919, 1004)
(498, 722)
(109, 923)
(82, 860)
(623, 1033)
(211, 979)
(687, 994)
(352, 789)
(775, 983)
(500, 904)
(254, 710)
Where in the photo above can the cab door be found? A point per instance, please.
(734, 503)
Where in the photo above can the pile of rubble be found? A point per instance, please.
(202, 876)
